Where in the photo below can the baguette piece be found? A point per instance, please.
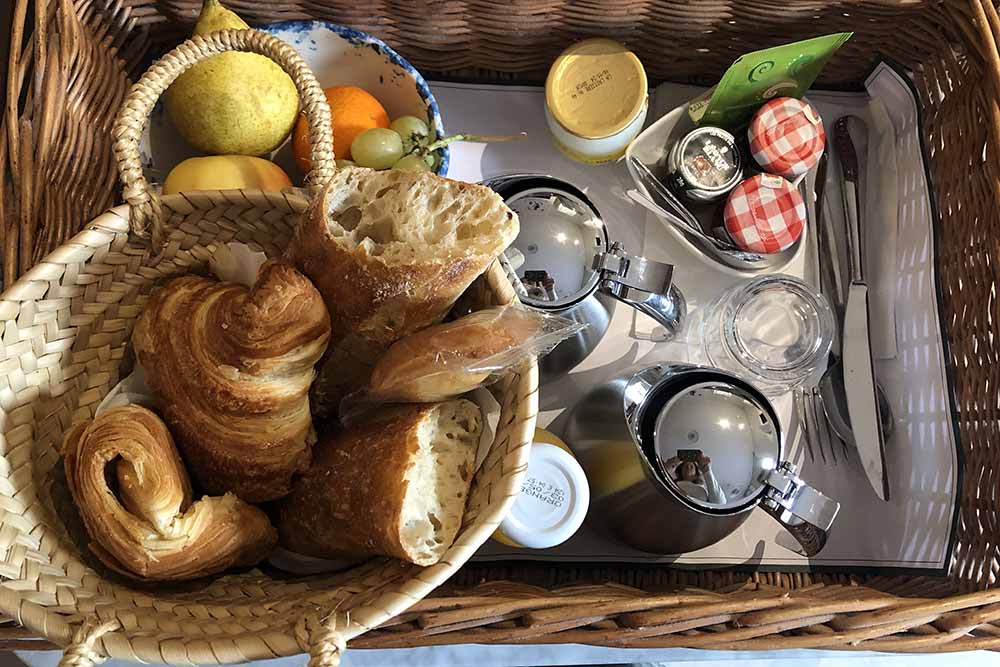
(394, 485)
(437, 363)
(391, 251)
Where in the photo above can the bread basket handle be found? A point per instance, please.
(144, 204)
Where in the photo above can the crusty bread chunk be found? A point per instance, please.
(394, 485)
(405, 217)
(391, 251)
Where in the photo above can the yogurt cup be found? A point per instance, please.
(553, 501)
(596, 100)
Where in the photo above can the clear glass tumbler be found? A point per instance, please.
(774, 331)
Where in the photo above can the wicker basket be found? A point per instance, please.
(71, 64)
(66, 325)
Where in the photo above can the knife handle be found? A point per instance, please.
(845, 150)
(852, 206)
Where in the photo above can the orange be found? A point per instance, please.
(354, 110)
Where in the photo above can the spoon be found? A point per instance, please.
(831, 388)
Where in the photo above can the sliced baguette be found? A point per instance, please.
(391, 251)
(395, 485)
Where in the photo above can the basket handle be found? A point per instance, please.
(82, 651)
(322, 638)
(144, 204)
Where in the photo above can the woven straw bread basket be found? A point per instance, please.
(65, 328)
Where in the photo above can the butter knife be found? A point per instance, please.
(859, 371)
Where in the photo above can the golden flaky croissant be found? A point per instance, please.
(231, 368)
(140, 516)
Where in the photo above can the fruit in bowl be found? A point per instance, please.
(343, 58)
(233, 103)
(352, 111)
(226, 172)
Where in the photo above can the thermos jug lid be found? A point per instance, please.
(716, 444)
(553, 254)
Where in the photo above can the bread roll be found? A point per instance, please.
(435, 364)
(391, 251)
(394, 485)
(143, 524)
(231, 369)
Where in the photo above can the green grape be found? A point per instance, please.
(345, 163)
(413, 131)
(412, 163)
(377, 148)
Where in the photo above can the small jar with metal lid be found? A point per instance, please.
(705, 164)
(764, 214)
(596, 99)
(786, 137)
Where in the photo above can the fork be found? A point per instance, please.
(815, 428)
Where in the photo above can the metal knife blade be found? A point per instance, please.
(859, 385)
(859, 370)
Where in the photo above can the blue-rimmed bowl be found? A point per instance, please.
(338, 56)
(342, 56)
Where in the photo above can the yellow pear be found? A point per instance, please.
(235, 102)
(226, 172)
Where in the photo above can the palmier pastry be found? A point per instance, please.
(134, 495)
(231, 369)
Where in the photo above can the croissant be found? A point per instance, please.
(140, 516)
(231, 369)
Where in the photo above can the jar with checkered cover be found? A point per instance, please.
(786, 137)
(765, 214)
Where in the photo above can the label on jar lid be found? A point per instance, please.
(764, 214)
(595, 88)
(553, 500)
(709, 159)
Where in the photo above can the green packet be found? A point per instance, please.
(780, 71)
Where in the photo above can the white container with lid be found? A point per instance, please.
(553, 501)
(596, 100)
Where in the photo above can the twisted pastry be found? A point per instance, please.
(140, 517)
(231, 368)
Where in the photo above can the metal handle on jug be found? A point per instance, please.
(644, 284)
(804, 511)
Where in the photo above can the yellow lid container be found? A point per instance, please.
(596, 89)
(553, 500)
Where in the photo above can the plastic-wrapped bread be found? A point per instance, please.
(391, 251)
(447, 360)
(393, 485)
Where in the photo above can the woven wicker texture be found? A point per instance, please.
(951, 48)
(66, 324)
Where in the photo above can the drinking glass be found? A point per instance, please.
(775, 331)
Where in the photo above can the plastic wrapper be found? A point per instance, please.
(451, 359)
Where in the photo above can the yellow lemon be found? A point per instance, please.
(226, 172)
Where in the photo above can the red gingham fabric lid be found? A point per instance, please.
(786, 137)
(764, 214)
